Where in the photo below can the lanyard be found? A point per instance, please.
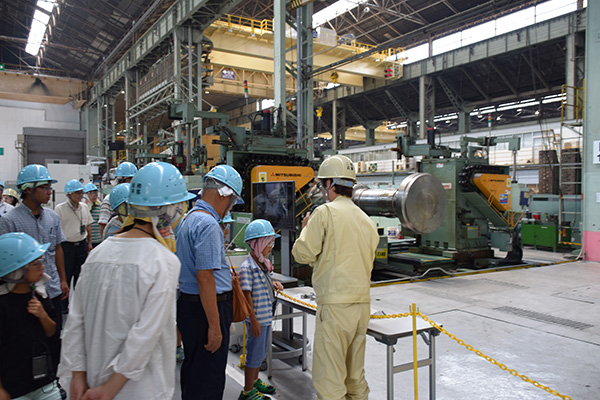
(75, 212)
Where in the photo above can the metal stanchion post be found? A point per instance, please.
(413, 312)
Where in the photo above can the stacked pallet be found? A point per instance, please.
(570, 173)
(548, 172)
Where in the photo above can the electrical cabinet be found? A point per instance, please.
(544, 234)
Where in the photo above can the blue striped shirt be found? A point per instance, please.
(45, 229)
(253, 279)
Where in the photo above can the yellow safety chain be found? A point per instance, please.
(491, 360)
(309, 305)
(453, 337)
(304, 303)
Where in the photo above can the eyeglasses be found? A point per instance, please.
(46, 188)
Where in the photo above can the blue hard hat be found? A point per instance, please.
(1, 184)
(73, 186)
(89, 187)
(34, 173)
(158, 184)
(227, 219)
(17, 249)
(228, 176)
(119, 195)
(259, 228)
(126, 170)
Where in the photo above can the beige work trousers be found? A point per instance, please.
(339, 351)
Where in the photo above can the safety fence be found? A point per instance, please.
(414, 312)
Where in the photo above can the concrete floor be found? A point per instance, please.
(538, 321)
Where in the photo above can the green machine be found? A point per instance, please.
(554, 222)
(477, 216)
(244, 150)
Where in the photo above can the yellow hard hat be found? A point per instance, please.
(11, 192)
(337, 167)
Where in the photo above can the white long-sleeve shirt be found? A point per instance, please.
(122, 318)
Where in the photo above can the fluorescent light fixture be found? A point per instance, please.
(337, 8)
(41, 16)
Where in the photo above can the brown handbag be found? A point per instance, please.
(241, 308)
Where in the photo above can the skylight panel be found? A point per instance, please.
(516, 20)
(47, 5)
(415, 54)
(446, 43)
(337, 8)
(41, 16)
(478, 33)
(554, 8)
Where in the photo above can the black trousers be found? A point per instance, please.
(202, 372)
(75, 254)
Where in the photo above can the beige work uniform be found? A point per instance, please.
(339, 242)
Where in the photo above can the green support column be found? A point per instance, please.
(307, 84)
(591, 131)
(370, 132)
(279, 57)
(127, 95)
(426, 105)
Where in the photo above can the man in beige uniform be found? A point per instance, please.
(76, 222)
(339, 241)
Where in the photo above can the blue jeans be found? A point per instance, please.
(202, 372)
(48, 392)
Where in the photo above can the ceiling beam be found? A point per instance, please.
(502, 76)
(389, 11)
(475, 83)
(450, 6)
(535, 71)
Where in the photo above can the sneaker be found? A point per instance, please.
(179, 354)
(263, 387)
(254, 394)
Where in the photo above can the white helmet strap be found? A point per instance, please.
(343, 182)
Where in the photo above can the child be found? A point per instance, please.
(118, 202)
(259, 290)
(25, 323)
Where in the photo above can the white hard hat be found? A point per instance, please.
(340, 169)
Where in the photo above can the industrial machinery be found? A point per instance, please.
(548, 226)
(476, 216)
(245, 150)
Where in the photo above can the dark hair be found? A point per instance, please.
(343, 190)
(339, 189)
(129, 227)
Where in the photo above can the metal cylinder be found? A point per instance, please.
(419, 203)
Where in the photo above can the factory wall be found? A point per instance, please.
(591, 169)
(16, 115)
